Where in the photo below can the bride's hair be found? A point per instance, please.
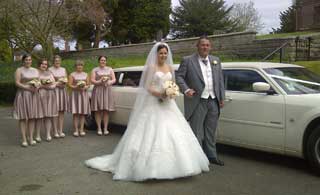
(161, 46)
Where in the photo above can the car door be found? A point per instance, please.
(125, 91)
(251, 119)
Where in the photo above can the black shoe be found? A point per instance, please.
(216, 161)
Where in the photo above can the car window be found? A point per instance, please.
(117, 74)
(128, 78)
(295, 80)
(241, 80)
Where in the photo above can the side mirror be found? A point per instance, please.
(261, 87)
(120, 80)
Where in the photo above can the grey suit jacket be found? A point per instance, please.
(189, 76)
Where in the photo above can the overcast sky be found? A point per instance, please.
(268, 9)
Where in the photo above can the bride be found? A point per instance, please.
(158, 142)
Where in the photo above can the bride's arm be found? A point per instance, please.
(155, 92)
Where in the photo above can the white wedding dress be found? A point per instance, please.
(159, 145)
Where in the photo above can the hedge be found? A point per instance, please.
(7, 92)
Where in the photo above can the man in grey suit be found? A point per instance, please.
(200, 78)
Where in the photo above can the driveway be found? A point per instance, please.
(57, 167)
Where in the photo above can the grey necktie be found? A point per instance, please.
(205, 62)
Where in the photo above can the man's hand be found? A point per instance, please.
(190, 93)
(221, 104)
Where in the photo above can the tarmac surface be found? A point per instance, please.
(57, 167)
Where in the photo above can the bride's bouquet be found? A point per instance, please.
(81, 84)
(171, 89)
(63, 80)
(35, 83)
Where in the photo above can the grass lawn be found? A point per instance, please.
(284, 35)
(113, 62)
(7, 71)
(311, 65)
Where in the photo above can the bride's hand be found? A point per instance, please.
(163, 95)
(157, 93)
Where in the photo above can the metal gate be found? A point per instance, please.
(303, 48)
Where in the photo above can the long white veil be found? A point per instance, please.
(146, 80)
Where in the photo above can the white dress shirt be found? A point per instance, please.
(207, 77)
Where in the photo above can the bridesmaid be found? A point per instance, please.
(60, 75)
(79, 99)
(47, 98)
(102, 101)
(26, 104)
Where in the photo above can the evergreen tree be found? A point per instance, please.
(198, 17)
(136, 21)
(287, 21)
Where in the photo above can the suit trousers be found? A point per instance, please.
(203, 122)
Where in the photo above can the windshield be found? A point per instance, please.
(295, 80)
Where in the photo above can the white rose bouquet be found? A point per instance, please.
(35, 83)
(105, 78)
(63, 80)
(45, 81)
(171, 89)
(81, 84)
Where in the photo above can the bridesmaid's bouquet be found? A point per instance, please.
(171, 89)
(63, 80)
(45, 81)
(35, 83)
(105, 78)
(81, 84)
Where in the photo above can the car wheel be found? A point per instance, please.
(313, 149)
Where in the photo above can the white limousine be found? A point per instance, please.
(271, 107)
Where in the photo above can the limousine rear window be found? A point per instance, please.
(128, 78)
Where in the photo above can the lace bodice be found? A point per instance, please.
(159, 78)
(58, 72)
(27, 74)
(100, 72)
(79, 77)
(46, 75)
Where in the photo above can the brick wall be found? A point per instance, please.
(241, 45)
(308, 15)
(181, 47)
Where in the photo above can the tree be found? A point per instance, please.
(33, 22)
(246, 17)
(5, 51)
(91, 20)
(287, 21)
(135, 21)
(199, 17)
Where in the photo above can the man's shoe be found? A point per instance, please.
(216, 161)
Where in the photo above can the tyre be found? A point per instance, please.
(313, 149)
